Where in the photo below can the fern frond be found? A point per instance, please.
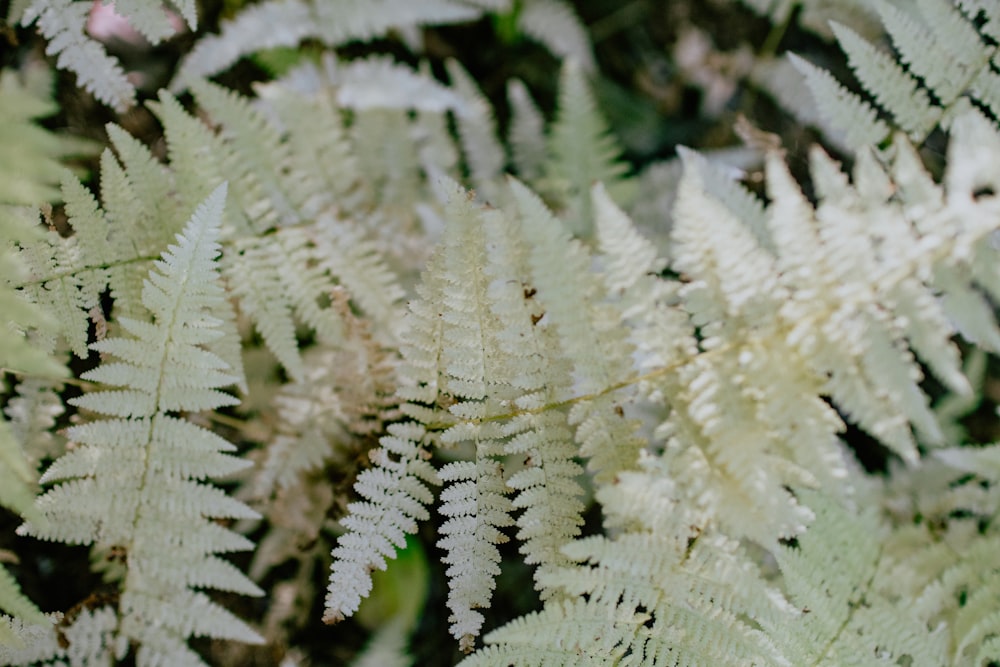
(33, 411)
(253, 148)
(599, 351)
(86, 639)
(21, 321)
(334, 22)
(62, 22)
(832, 574)
(476, 504)
(944, 56)
(841, 108)
(254, 271)
(564, 634)
(894, 88)
(395, 493)
(132, 480)
(661, 591)
(526, 134)
(34, 150)
(582, 151)
(478, 133)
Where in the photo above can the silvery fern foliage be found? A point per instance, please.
(471, 368)
(287, 23)
(27, 327)
(943, 56)
(866, 580)
(430, 352)
(64, 24)
(132, 484)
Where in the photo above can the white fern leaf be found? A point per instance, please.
(266, 25)
(133, 481)
(476, 505)
(62, 22)
(87, 639)
(334, 22)
(895, 90)
(253, 271)
(395, 493)
(843, 109)
(379, 82)
(943, 55)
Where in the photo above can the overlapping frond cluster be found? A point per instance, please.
(28, 171)
(355, 221)
(824, 305)
(132, 483)
(830, 300)
(287, 23)
(944, 55)
(278, 284)
(509, 324)
(17, 353)
(670, 589)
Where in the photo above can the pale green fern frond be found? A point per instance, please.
(252, 150)
(133, 480)
(582, 151)
(477, 130)
(836, 103)
(832, 574)
(666, 590)
(495, 300)
(19, 353)
(29, 154)
(597, 350)
(526, 134)
(63, 23)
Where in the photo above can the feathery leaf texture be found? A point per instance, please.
(333, 22)
(25, 325)
(63, 23)
(553, 363)
(34, 150)
(943, 59)
(133, 479)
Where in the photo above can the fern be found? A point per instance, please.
(429, 351)
(160, 514)
(942, 60)
(334, 22)
(26, 326)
